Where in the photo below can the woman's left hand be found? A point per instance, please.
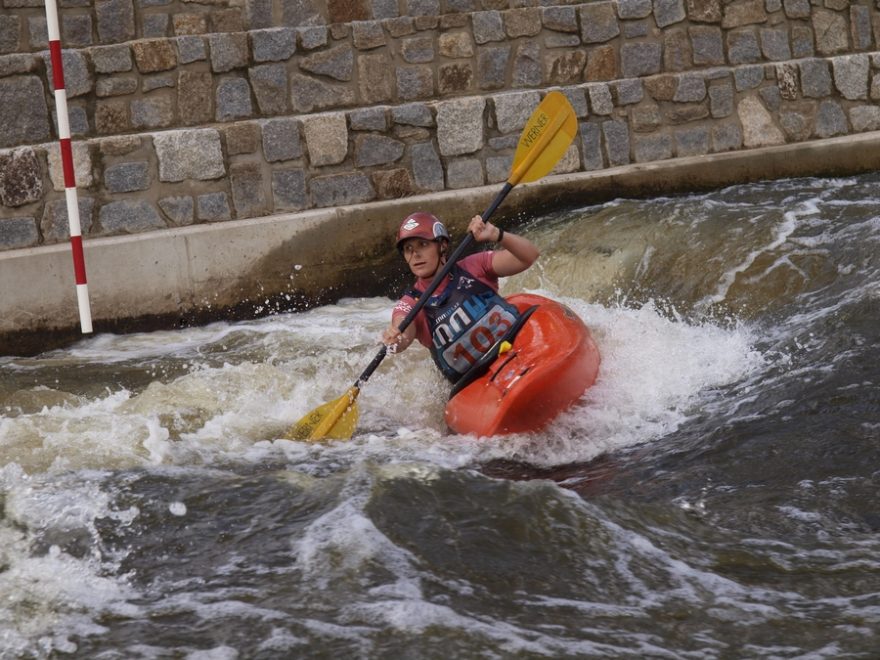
(484, 232)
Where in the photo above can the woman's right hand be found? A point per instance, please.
(391, 337)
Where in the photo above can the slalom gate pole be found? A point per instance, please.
(79, 262)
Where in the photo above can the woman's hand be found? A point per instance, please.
(484, 232)
(395, 340)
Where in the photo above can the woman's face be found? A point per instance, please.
(422, 256)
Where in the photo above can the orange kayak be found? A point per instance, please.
(551, 362)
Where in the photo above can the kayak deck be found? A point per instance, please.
(552, 362)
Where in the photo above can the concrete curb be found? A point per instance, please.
(248, 268)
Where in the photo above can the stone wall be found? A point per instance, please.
(187, 113)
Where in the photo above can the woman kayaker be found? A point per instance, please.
(465, 315)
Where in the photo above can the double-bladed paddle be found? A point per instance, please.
(547, 135)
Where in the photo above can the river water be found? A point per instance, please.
(714, 495)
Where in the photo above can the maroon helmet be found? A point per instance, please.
(421, 224)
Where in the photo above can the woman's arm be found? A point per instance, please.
(516, 253)
(394, 339)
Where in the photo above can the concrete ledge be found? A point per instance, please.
(249, 268)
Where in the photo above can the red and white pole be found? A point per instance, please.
(79, 262)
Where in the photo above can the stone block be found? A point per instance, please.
(111, 117)
(646, 118)
(830, 120)
(677, 52)
(721, 100)
(227, 20)
(774, 44)
(76, 30)
(691, 88)
(233, 99)
(707, 45)
(560, 19)
(248, 197)
(668, 12)
(562, 41)
(242, 138)
(487, 26)
(455, 45)
(312, 37)
(149, 83)
(155, 26)
(415, 82)
(640, 59)
(788, 80)
(309, 94)
(55, 224)
(492, 67)
(742, 46)
(129, 217)
(189, 154)
(633, 9)
(460, 126)
(289, 190)
(326, 138)
(281, 139)
(815, 78)
(865, 118)
(375, 82)
(498, 168)
(152, 112)
(19, 232)
(635, 29)
(179, 210)
(127, 177)
(591, 147)
(372, 150)
(273, 45)
(297, 13)
(38, 33)
(77, 79)
(569, 162)
(366, 35)
(601, 64)
(30, 124)
(427, 169)
(627, 92)
(188, 24)
(11, 65)
(648, 148)
(115, 21)
(796, 8)
(82, 166)
(116, 86)
(464, 173)
(455, 77)
(228, 51)
(748, 77)
(269, 82)
(564, 68)
(336, 63)
(191, 49)
(522, 22)
(860, 27)
(195, 97)
(213, 207)
(417, 50)
(385, 9)
(370, 119)
(152, 55)
(692, 141)
(346, 11)
(392, 184)
(831, 30)
(771, 97)
(512, 110)
(704, 11)
(527, 68)
(802, 42)
(10, 29)
(341, 189)
(851, 74)
(617, 142)
(598, 22)
(743, 12)
(726, 137)
(21, 178)
(759, 129)
(413, 114)
(601, 102)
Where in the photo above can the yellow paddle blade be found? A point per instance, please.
(334, 420)
(544, 140)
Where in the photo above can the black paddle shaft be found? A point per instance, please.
(465, 244)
